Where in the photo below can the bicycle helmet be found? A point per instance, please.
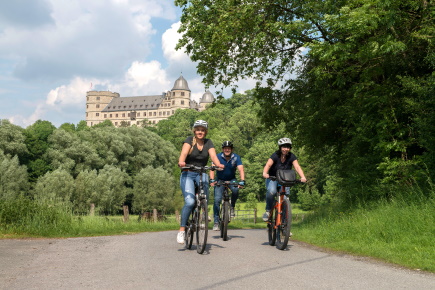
(200, 123)
(227, 144)
(284, 141)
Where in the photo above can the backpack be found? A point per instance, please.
(286, 177)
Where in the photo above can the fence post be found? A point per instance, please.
(177, 215)
(155, 215)
(92, 210)
(255, 215)
(126, 217)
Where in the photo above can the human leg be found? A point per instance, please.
(188, 189)
(218, 190)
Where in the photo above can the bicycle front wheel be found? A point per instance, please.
(283, 230)
(225, 219)
(188, 232)
(271, 232)
(202, 227)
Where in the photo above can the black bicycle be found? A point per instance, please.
(280, 218)
(198, 220)
(225, 212)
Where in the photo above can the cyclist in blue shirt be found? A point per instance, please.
(232, 161)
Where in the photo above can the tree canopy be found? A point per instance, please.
(353, 80)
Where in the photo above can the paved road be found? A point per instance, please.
(156, 261)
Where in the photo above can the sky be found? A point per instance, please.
(53, 51)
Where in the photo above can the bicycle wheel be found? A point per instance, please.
(283, 230)
(202, 227)
(188, 231)
(225, 219)
(271, 232)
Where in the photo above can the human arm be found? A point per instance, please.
(299, 170)
(242, 174)
(184, 152)
(266, 168)
(212, 181)
(214, 158)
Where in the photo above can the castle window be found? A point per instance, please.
(125, 107)
(155, 114)
(141, 106)
(182, 102)
(138, 114)
(173, 94)
(182, 94)
(123, 114)
(87, 98)
(97, 114)
(135, 106)
(145, 114)
(105, 116)
(116, 115)
(173, 102)
(86, 114)
(87, 106)
(98, 98)
(110, 116)
(152, 105)
(119, 107)
(160, 113)
(116, 123)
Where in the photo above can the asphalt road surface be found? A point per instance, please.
(156, 261)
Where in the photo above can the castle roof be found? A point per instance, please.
(181, 84)
(207, 97)
(134, 103)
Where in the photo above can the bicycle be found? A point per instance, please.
(198, 220)
(280, 218)
(224, 212)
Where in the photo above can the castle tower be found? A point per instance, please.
(206, 99)
(180, 94)
(96, 101)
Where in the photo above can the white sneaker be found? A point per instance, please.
(180, 237)
(266, 216)
(216, 227)
(209, 218)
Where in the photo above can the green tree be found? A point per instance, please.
(55, 188)
(112, 189)
(153, 188)
(12, 140)
(13, 178)
(86, 191)
(360, 98)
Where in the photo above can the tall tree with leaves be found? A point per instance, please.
(367, 68)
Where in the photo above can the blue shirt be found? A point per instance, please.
(229, 171)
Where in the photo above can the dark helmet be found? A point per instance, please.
(227, 144)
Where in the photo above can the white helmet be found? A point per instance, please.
(284, 141)
(200, 123)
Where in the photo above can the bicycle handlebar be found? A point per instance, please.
(200, 168)
(229, 182)
(273, 178)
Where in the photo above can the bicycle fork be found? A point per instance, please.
(278, 207)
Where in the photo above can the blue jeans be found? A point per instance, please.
(272, 188)
(188, 180)
(218, 192)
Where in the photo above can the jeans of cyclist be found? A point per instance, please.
(218, 193)
(272, 188)
(188, 180)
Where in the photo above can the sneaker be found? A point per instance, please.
(180, 237)
(209, 218)
(291, 234)
(233, 214)
(266, 216)
(216, 227)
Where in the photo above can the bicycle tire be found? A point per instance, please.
(271, 232)
(283, 230)
(189, 232)
(202, 227)
(225, 220)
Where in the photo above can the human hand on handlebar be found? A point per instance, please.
(181, 164)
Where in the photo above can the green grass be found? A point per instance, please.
(395, 232)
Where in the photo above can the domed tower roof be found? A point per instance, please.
(207, 97)
(181, 84)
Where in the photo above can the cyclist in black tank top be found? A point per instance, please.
(196, 150)
(281, 159)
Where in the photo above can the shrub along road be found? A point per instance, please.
(156, 261)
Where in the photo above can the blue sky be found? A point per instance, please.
(53, 51)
